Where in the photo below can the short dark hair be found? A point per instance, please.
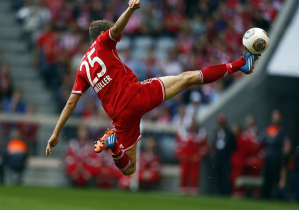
(97, 26)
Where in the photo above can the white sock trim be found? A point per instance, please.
(119, 156)
(126, 167)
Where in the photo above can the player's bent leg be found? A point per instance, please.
(125, 161)
(132, 156)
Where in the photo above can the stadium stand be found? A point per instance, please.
(263, 92)
(205, 33)
(51, 38)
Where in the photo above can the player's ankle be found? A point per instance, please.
(236, 65)
(122, 161)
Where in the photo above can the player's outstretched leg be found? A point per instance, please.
(176, 84)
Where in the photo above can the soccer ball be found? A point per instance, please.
(256, 40)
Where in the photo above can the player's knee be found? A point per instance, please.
(131, 170)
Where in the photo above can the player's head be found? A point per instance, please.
(97, 27)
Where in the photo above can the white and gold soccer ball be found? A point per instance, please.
(256, 40)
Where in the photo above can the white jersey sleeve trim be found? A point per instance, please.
(77, 92)
(111, 37)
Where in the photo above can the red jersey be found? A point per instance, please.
(191, 147)
(101, 68)
(150, 166)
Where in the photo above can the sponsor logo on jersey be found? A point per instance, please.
(102, 83)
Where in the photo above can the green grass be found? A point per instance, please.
(33, 198)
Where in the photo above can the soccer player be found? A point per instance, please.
(123, 97)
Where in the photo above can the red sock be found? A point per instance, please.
(115, 149)
(121, 160)
(238, 64)
(212, 73)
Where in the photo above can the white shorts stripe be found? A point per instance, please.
(126, 149)
(163, 88)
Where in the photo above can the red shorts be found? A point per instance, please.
(127, 123)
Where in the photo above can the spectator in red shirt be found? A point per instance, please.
(256, 151)
(28, 130)
(238, 160)
(174, 20)
(255, 147)
(191, 149)
(104, 170)
(78, 159)
(49, 49)
(247, 159)
(150, 165)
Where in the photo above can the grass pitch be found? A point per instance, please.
(34, 198)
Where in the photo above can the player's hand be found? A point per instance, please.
(53, 141)
(134, 4)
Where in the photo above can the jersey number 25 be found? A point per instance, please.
(92, 61)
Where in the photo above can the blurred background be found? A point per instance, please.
(237, 137)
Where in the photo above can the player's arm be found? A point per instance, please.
(123, 20)
(65, 115)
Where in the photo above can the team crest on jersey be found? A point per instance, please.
(259, 45)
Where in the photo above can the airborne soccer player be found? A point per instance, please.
(123, 97)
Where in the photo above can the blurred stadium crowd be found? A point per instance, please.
(242, 160)
(163, 38)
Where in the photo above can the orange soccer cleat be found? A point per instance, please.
(106, 142)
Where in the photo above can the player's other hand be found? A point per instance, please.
(53, 141)
(134, 4)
